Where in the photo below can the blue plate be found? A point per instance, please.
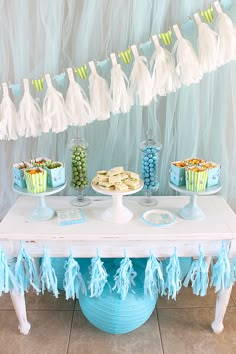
(158, 217)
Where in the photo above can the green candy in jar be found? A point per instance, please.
(79, 177)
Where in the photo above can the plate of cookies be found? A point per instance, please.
(117, 181)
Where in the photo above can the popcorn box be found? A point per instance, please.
(18, 173)
(177, 173)
(196, 178)
(55, 174)
(36, 180)
(213, 173)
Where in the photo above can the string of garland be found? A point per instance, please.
(166, 72)
(155, 281)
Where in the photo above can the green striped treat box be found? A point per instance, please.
(196, 180)
(36, 183)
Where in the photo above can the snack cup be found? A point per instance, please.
(18, 173)
(177, 173)
(36, 180)
(40, 161)
(213, 173)
(55, 175)
(194, 161)
(196, 178)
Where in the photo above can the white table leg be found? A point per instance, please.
(18, 301)
(222, 301)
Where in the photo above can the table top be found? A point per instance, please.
(220, 221)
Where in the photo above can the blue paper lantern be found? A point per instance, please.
(111, 314)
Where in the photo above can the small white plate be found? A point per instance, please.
(158, 217)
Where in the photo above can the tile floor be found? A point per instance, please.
(59, 327)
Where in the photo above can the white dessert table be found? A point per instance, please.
(136, 238)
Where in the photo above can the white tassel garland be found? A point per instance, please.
(99, 95)
(188, 67)
(120, 99)
(140, 80)
(8, 116)
(55, 113)
(208, 46)
(227, 36)
(164, 76)
(29, 114)
(77, 103)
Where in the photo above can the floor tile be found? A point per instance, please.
(233, 294)
(40, 302)
(87, 339)
(188, 331)
(186, 298)
(48, 302)
(49, 333)
(5, 302)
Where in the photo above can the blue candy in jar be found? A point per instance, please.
(150, 151)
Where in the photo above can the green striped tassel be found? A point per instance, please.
(82, 72)
(208, 14)
(38, 84)
(166, 37)
(126, 56)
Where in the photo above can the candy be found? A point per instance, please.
(79, 177)
(149, 168)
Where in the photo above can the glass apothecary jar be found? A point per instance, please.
(150, 153)
(78, 165)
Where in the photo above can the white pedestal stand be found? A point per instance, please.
(192, 211)
(117, 213)
(42, 212)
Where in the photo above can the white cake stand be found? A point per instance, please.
(191, 211)
(42, 212)
(117, 213)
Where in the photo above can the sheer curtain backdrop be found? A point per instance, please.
(44, 36)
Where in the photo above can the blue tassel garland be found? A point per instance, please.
(48, 276)
(25, 272)
(233, 272)
(124, 277)
(198, 274)
(173, 281)
(221, 272)
(154, 280)
(73, 280)
(98, 277)
(7, 279)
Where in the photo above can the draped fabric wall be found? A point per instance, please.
(46, 36)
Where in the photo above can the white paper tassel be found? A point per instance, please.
(164, 76)
(77, 103)
(208, 46)
(55, 113)
(8, 116)
(29, 114)
(140, 80)
(227, 36)
(120, 99)
(188, 67)
(99, 95)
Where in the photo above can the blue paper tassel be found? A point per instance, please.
(173, 281)
(198, 274)
(7, 278)
(98, 277)
(26, 272)
(73, 280)
(154, 280)
(233, 271)
(221, 272)
(48, 275)
(124, 277)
